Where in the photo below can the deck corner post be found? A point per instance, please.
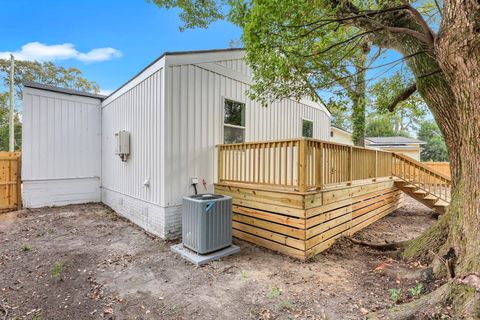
(376, 165)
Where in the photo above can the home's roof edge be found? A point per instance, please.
(47, 87)
(172, 53)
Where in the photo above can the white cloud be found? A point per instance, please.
(36, 51)
(105, 92)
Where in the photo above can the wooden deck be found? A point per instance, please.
(302, 225)
(298, 196)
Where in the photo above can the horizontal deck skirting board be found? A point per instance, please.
(290, 200)
(265, 217)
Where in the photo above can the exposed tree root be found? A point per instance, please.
(410, 310)
(392, 246)
(461, 294)
(423, 275)
(431, 240)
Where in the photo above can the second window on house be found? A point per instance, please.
(307, 128)
(233, 122)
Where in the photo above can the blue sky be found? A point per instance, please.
(133, 31)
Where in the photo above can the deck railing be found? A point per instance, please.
(300, 164)
(422, 176)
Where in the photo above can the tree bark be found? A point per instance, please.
(458, 52)
(448, 78)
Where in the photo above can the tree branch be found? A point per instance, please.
(364, 14)
(417, 35)
(423, 24)
(402, 96)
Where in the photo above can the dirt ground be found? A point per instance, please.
(84, 262)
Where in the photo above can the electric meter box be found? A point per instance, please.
(122, 143)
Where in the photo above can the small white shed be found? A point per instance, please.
(173, 113)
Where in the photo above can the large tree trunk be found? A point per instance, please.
(458, 51)
(448, 78)
(457, 234)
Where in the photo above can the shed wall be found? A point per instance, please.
(61, 148)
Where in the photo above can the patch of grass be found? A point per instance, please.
(57, 269)
(416, 291)
(274, 293)
(253, 313)
(26, 247)
(244, 275)
(395, 294)
(284, 305)
(36, 316)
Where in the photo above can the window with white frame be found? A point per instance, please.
(233, 121)
(307, 128)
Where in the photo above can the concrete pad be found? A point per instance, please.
(201, 259)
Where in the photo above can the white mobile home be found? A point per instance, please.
(173, 114)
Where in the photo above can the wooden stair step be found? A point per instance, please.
(441, 203)
(430, 197)
(410, 186)
(420, 192)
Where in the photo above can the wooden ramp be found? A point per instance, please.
(422, 183)
(10, 181)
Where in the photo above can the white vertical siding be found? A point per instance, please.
(138, 111)
(61, 150)
(238, 65)
(194, 123)
(61, 136)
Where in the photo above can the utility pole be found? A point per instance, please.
(11, 132)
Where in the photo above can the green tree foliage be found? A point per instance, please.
(43, 72)
(46, 73)
(435, 148)
(340, 114)
(408, 114)
(379, 126)
(382, 125)
(4, 141)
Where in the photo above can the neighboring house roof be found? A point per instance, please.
(340, 129)
(392, 141)
(37, 85)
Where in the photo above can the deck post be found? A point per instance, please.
(350, 165)
(302, 165)
(376, 165)
(219, 164)
(319, 166)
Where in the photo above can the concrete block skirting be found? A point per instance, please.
(164, 222)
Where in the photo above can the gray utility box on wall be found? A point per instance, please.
(207, 222)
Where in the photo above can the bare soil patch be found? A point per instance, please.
(84, 262)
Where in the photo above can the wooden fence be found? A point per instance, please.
(300, 164)
(10, 181)
(442, 167)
